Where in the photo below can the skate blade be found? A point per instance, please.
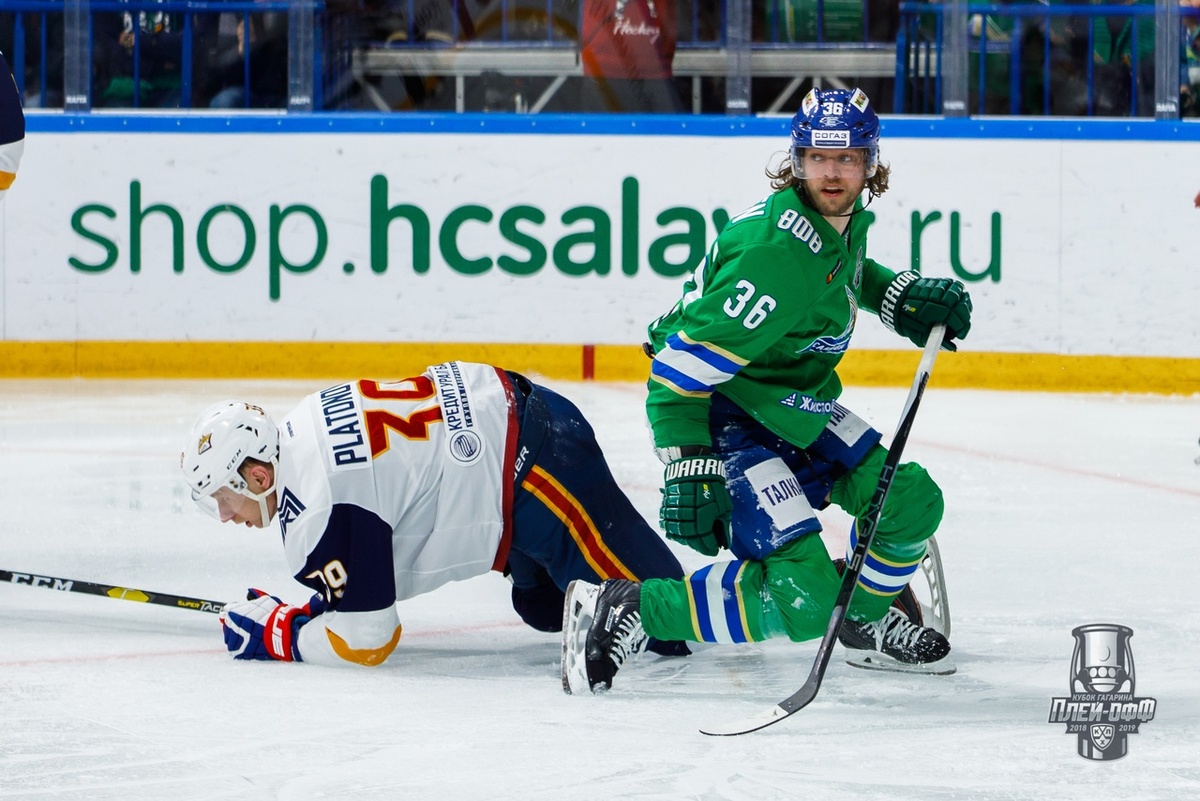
(578, 611)
(870, 660)
(935, 607)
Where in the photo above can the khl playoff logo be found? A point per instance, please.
(1102, 709)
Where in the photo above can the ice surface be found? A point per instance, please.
(1061, 510)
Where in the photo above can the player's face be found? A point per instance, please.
(237, 508)
(834, 179)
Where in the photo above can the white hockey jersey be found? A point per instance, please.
(389, 490)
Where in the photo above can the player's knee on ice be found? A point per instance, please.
(540, 607)
(802, 585)
(914, 505)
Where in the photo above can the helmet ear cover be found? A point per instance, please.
(835, 119)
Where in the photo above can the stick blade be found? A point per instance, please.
(785, 708)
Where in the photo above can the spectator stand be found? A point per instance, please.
(55, 54)
(1037, 59)
(794, 44)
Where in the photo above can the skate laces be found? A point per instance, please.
(896, 629)
(629, 639)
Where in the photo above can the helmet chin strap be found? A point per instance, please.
(262, 505)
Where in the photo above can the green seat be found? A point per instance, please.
(797, 20)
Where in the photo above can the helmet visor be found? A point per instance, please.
(224, 502)
(820, 162)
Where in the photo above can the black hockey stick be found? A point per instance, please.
(120, 593)
(804, 696)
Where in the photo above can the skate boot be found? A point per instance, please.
(602, 630)
(896, 643)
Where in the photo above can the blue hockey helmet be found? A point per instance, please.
(835, 119)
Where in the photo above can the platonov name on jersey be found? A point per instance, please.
(343, 427)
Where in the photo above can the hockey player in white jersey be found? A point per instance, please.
(12, 127)
(387, 490)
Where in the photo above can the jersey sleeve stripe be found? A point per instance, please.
(677, 381)
(693, 367)
(718, 357)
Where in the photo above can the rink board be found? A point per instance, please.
(143, 241)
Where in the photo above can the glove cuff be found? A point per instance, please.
(893, 295)
(279, 638)
(676, 452)
(695, 467)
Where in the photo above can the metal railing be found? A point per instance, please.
(528, 50)
(732, 57)
(70, 49)
(1033, 59)
(53, 47)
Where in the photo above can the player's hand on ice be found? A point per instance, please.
(913, 305)
(696, 506)
(264, 627)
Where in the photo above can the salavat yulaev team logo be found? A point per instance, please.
(1102, 710)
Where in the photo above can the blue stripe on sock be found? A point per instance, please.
(890, 570)
(733, 612)
(880, 588)
(699, 582)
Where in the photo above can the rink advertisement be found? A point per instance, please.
(541, 239)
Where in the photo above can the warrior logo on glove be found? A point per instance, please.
(696, 506)
(913, 305)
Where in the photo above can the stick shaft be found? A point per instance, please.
(875, 510)
(110, 591)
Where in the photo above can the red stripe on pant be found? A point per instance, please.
(583, 531)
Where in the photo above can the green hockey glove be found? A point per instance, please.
(913, 305)
(696, 506)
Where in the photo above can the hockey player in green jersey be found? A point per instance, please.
(743, 403)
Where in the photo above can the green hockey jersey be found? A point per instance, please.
(764, 320)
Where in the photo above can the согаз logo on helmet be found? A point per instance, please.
(830, 138)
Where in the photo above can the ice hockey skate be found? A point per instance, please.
(602, 630)
(897, 644)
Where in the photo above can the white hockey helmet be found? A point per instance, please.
(224, 436)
